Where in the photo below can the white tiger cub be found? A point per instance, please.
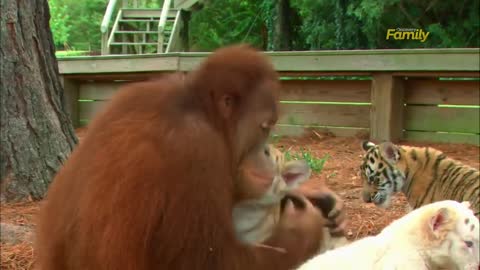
(254, 219)
(440, 235)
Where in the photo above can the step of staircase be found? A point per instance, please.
(134, 43)
(135, 32)
(167, 23)
(143, 24)
(139, 13)
(166, 32)
(138, 20)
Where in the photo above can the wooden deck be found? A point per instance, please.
(421, 94)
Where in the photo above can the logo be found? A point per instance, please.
(407, 33)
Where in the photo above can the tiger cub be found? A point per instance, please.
(440, 235)
(255, 218)
(423, 174)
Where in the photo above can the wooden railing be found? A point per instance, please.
(424, 94)
(161, 25)
(104, 26)
(175, 43)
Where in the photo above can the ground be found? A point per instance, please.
(340, 174)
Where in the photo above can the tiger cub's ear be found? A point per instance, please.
(439, 223)
(467, 204)
(390, 151)
(367, 145)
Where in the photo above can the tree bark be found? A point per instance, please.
(286, 27)
(340, 22)
(184, 32)
(36, 134)
(282, 37)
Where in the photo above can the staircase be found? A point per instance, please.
(136, 31)
(147, 30)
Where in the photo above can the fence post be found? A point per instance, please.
(104, 40)
(386, 113)
(70, 99)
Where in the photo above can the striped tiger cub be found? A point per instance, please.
(254, 218)
(423, 174)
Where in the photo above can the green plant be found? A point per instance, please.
(58, 25)
(69, 53)
(316, 164)
(274, 138)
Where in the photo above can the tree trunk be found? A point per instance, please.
(36, 134)
(340, 22)
(184, 32)
(282, 37)
(286, 27)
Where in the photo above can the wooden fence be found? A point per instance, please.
(422, 94)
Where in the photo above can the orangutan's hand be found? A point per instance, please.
(331, 206)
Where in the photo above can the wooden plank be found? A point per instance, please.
(424, 60)
(439, 51)
(465, 74)
(88, 110)
(367, 60)
(326, 90)
(380, 63)
(105, 50)
(71, 93)
(442, 92)
(134, 76)
(386, 114)
(380, 60)
(140, 76)
(147, 13)
(433, 118)
(174, 41)
(117, 65)
(298, 131)
(435, 52)
(323, 73)
(99, 90)
(324, 115)
(442, 137)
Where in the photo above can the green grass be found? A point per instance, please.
(316, 164)
(70, 53)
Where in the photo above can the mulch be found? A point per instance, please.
(340, 174)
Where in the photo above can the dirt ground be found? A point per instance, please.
(340, 174)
